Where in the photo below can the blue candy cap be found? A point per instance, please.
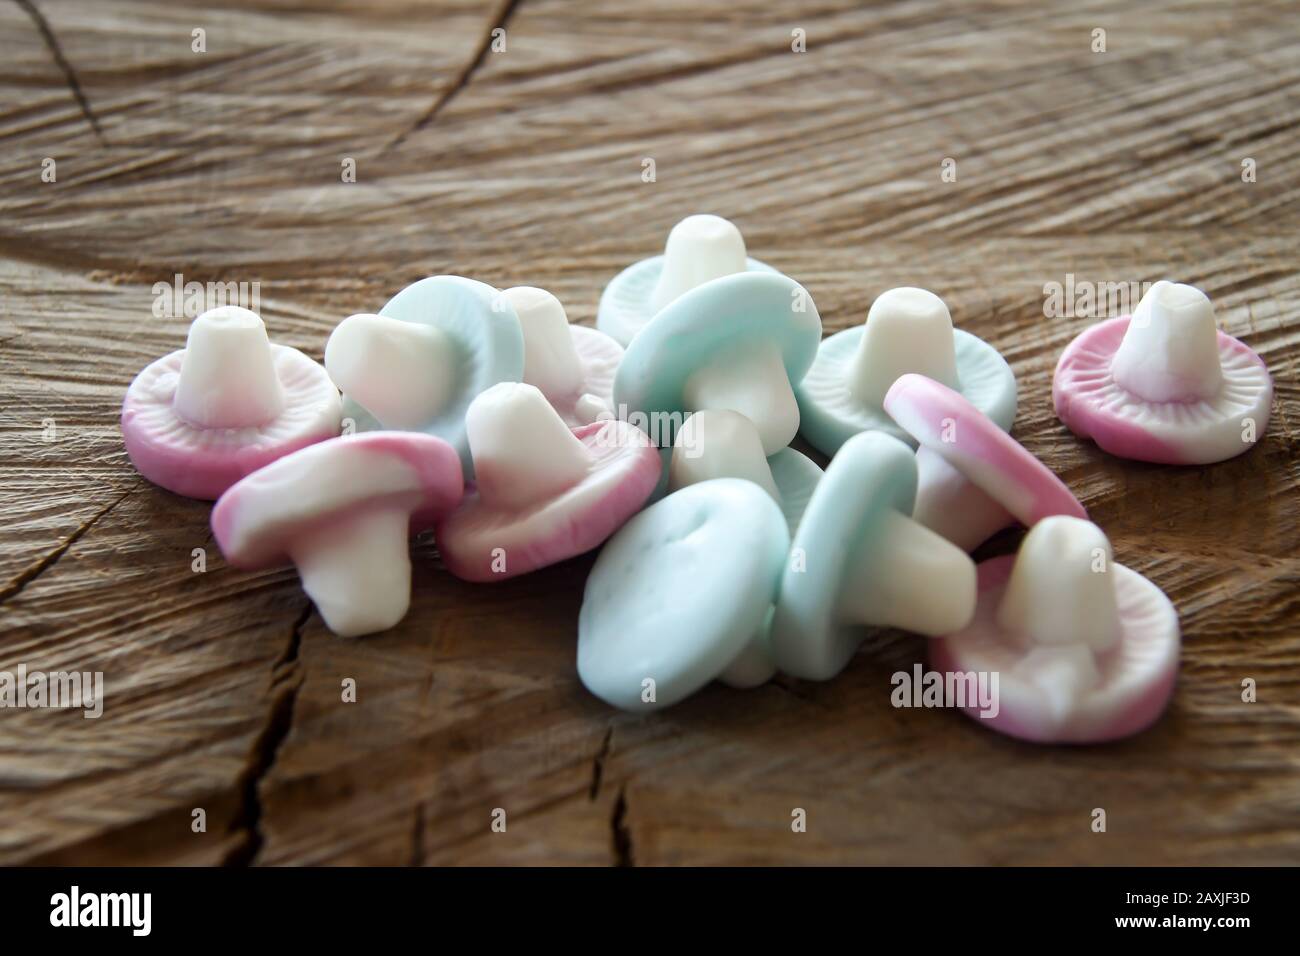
(872, 472)
(485, 330)
(706, 326)
(829, 413)
(678, 592)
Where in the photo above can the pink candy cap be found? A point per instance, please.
(942, 420)
(1071, 668)
(198, 420)
(257, 521)
(544, 493)
(1164, 385)
(342, 511)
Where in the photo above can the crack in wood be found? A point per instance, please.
(620, 832)
(39, 567)
(69, 74)
(417, 837)
(598, 763)
(267, 747)
(505, 10)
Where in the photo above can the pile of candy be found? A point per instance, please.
(523, 441)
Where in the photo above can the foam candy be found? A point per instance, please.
(418, 364)
(865, 563)
(1086, 649)
(543, 492)
(717, 443)
(973, 478)
(700, 249)
(739, 342)
(341, 511)
(1164, 385)
(907, 330)
(677, 595)
(571, 365)
(199, 419)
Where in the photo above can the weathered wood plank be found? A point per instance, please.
(526, 168)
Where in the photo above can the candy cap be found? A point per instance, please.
(677, 594)
(907, 330)
(1164, 385)
(974, 478)
(699, 249)
(198, 420)
(544, 493)
(737, 343)
(342, 510)
(1086, 650)
(464, 337)
(858, 560)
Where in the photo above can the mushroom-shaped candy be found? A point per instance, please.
(973, 478)
(862, 562)
(717, 443)
(699, 249)
(342, 511)
(1164, 384)
(418, 364)
(679, 592)
(739, 342)
(573, 366)
(907, 330)
(1085, 649)
(543, 492)
(198, 420)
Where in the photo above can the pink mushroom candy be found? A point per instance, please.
(973, 478)
(342, 511)
(198, 420)
(1164, 385)
(543, 492)
(571, 365)
(1084, 649)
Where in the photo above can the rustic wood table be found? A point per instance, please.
(983, 150)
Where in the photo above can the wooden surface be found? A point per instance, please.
(524, 167)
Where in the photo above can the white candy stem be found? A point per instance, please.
(752, 667)
(1062, 587)
(550, 359)
(699, 248)
(227, 377)
(904, 575)
(403, 373)
(718, 443)
(754, 382)
(522, 450)
(1063, 673)
(952, 506)
(358, 571)
(1170, 352)
(907, 330)
(592, 408)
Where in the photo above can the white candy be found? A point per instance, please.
(1061, 589)
(718, 443)
(1170, 352)
(699, 248)
(754, 382)
(550, 359)
(227, 378)
(401, 372)
(522, 450)
(907, 330)
(910, 577)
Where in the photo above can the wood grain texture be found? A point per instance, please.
(524, 167)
